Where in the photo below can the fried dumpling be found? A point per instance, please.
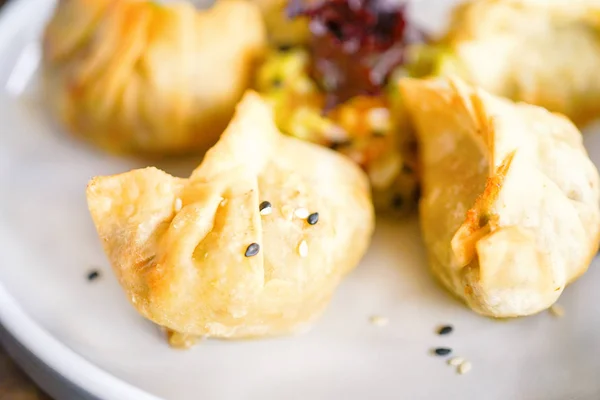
(510, 212)
(252, 244)
(543, 52)
(137, 76)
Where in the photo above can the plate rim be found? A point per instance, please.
(57, 356)
(66, 362)
(23, 328)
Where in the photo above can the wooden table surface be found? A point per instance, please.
(14, 384)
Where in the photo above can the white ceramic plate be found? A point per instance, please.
(89, 335)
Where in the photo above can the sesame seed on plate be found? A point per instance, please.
(303, 249)
(442, 351)
(456, 361)
(464, 367)
(265, 208)
(252, 250)
(557, 310)
(378, 320)
(445, 330)
(313, 218)
(178, 204)
(301, 213)
(93, 275)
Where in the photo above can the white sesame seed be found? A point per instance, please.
(177, 205)
(266, 211)
(557, 310)
(301, 213)
(456, 361)
(303, 249)
(379, 321)
(464, 367)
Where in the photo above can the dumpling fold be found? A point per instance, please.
(252, 244)
(138, 76)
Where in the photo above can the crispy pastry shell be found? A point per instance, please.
(510, 208)
(178, 245)
(141, 77)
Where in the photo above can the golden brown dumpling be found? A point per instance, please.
(140, 77)
(208, 256)
(543, 52)
(510, 211)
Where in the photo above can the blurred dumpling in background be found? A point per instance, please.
(541, 52)
(143, 77)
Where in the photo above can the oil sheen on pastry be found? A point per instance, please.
(143, 77)
(510, 208)
(252, 244)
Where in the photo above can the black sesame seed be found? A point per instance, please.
(263, 205)
(442, 351)
(284, 47)
(252, 250)
(444, 330)
(93, 275)
(313, 218)
(277, 83)
(397, 201)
